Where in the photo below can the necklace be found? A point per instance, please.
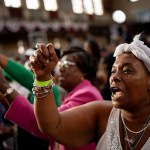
(134, 141)
(146, 125)
(131, 140)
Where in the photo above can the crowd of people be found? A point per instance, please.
(85, 117)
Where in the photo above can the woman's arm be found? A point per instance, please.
(20, 111)
(80, 124)
(17, 71)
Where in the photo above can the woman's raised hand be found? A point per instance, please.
(43, 61)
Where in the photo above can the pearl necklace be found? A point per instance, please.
(136, 132)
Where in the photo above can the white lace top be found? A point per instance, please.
(111, 138)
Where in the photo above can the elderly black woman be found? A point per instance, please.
(77, 72)
(123, 123)
(120, 124)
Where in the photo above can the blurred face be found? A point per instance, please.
(87, 47)
(69, 74)
(129, 82)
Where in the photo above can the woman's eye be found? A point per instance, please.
(126, 71)
(113, 72)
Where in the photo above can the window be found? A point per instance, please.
(32, 4)
(98, 7)
(50, 5)
(77, 6)
(88, 6)
(12, 3)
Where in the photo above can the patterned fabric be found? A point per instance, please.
(111, 138)
(137, 48)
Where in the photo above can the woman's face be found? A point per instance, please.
(69, 74)
(129, 82)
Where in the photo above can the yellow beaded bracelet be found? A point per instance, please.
(43, 83)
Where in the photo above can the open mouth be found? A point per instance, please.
(116, 92)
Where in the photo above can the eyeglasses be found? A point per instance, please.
(66, 64)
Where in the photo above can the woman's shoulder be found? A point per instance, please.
(100, 108)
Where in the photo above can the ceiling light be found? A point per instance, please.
(133, 0)
(119, 16)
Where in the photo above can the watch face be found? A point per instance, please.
(9, 91)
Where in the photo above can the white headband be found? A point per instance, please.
(138, 49)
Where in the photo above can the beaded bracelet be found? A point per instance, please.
(43, 83)
(42, 91)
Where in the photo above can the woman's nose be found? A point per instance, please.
(115, 77)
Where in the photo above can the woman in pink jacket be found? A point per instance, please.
(77, 73)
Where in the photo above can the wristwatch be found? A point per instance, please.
(8, 91)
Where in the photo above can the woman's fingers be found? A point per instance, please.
(38, 59)
(48, 52)
(43, 49)
(52, 54)
(51, 50)
(43, 60)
